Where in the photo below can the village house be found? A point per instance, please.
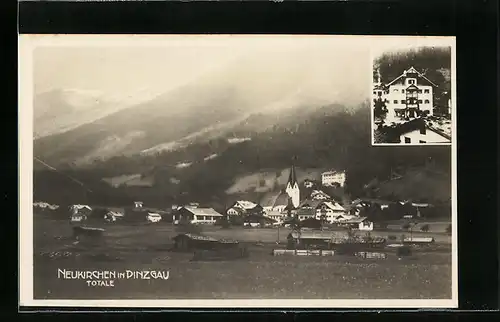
(319, 195)
(79, 212)
(330, 211)
(357, 223)
(279, 217)
(242, 207)
(304, 213)
(274, 202)
(331, 178)
(197, 215)
(308, 183)
(421, 134)
(113, 214)
(409, 95)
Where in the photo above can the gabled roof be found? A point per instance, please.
(438, 131)
(319, 192)
(411, 70)
(115, 213)
(333, 206)
(78, 207)
(244, 204)
(418, 124)
(202, 211)
(275, 199)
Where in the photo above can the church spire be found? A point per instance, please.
(292, 187)
(292, 178)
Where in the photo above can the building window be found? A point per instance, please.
(426, 91)
(420, 91)
(403, 101)
(422, 131)
(419, 101)
(379, 94)
(427, 102)
(407, 140)
(395, 102)
(396, 90)
(422, 141)
(374, 93)
(402, 91)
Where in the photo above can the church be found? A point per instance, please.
(292, 188)
(278, 202)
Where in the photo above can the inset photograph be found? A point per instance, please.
(411, 103)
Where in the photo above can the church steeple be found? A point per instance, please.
(292, 187)
(292, 178)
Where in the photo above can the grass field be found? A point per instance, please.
(426, 275)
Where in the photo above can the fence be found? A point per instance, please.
(303, 252)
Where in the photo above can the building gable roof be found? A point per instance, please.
(316, 193)
(333, 206)
(202, 211)
(417, 125)
(275, 199)
(244, 204)
(412, 70)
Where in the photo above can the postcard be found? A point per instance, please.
(237, 171)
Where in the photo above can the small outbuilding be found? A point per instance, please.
(190, 242)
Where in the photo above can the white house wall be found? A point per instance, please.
(397, 94)
(429, 137)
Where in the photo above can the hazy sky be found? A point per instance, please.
(141, 67)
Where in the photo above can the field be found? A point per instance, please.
(425, 275)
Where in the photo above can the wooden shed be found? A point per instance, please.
(190, 242)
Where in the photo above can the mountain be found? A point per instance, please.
(207, 171)
(211, 105)
(61, 110)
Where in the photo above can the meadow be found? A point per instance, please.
(425, 275)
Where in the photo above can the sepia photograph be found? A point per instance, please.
(237, 171)
(412, 101)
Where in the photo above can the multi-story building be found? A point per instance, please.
(407, 96)
(331, 178)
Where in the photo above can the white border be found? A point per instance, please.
(27, 43)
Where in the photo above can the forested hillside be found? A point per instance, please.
(321, 138)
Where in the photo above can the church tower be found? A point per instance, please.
(292, 187)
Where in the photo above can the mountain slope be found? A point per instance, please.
(319, 139)
(211, 104)
(61, 110)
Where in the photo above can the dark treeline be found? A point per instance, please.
(320, 139)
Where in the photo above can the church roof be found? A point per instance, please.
(274, 199)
